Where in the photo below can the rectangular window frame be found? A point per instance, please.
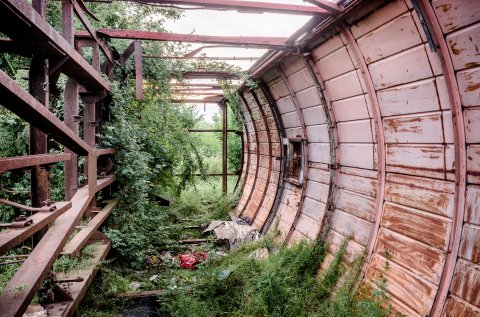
(294, 149)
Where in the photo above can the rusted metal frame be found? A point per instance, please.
(270, 157)
(80, 44)
(258, 152)
(213, 86)
(38, 87)
(10, 238)
(278, 43)
(79, 289)
(20, 102)
(211, 130)
(260, 66)
(209, 75)
(108, 151)
(74, 246)
(243, 140)
(27, 280)
(208, 58)
(327, 5)
(21, 162)
(138, 70)
(90, 29)
(195, 89)
(127, 53)
(334, 144)
(30, 28)
(194, 101)
(381, 149)
(460, 157)
(280, 127)
(246, 6)
(223, 106)
(193, 93)
(286, 80)
(70, 105)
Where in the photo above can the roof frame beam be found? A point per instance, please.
(277, 43)
(247, 6)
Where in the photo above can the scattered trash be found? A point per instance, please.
(235, 233)
(190, 260)
(35, 311)
(224, 275)
(262, 253)
(153, 278)
(134, 286)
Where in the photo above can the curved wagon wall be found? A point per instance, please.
(389, 113)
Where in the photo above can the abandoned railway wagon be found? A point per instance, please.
(362, 126)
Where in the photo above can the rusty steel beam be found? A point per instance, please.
(257, 143)
(246, 6)
(279, 43)
(188, 84)
(193, 93)
(209, 75)
(12, 237)
(127, 53)
(73, 247)
(195, 101)
(80, 12)
(21, 23)
(20, 102)
(379, 129)
(20, 162)
(214, 130)
(100, 152)
(15, 299)
(327, 6)
(138, 70)
(224, 147)
(209, 58)
(459, 139)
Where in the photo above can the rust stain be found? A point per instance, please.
(455, 50)
(472, 87)
(445, 7)
(471, 64)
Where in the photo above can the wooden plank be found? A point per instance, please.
(9, 238)
(414, 292)
(456, 307)
(472, 125)
(421, 193)
(472, 213)
(473, 163)
(357, 155)
(347, 224)
(453, 14)
(420, 258)
(466, 282)
(422, 160)
(337, 63)
(469, 86)
(359, 131)
(355, 204)
(463, 47)
(421, 226)
(354, 108)
(378, 44)
(357, 184)
(420, 96)
(336, 86)
(470, 243)
(420, 128)
(317, 191)
(75, 245)
(406, 67)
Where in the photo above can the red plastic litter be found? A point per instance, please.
(190, 260)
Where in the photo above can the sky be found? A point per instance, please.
(232, 23)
